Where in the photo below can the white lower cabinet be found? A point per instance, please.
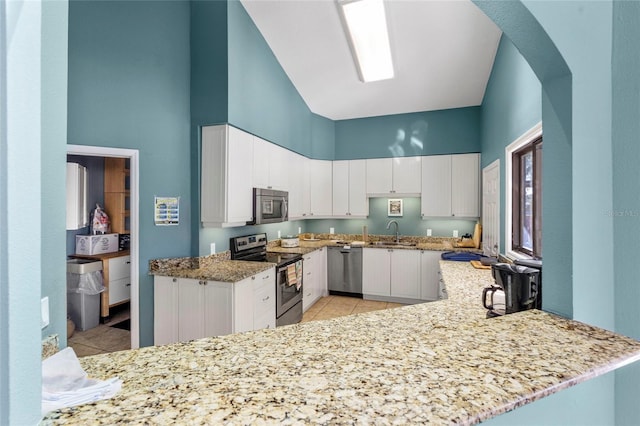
(314, 267)
(187, 309)
(429, 275)
(391, 273)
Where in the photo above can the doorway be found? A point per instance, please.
(132, 157)
(491, 209)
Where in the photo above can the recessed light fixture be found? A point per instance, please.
(365, 25)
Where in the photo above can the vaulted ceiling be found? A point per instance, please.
(443, 52)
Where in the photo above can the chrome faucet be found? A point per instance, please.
(397, 232)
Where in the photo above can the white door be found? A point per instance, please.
(491, 209)
(436, 186)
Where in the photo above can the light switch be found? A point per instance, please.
(279, 235)
(213, 248)
(44, 312)
(428, 232)
(332, 230)
(455, 233)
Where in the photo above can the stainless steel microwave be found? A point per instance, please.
(269, 206)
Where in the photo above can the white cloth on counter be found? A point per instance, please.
(65, 383)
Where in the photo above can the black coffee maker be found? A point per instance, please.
(516, 289)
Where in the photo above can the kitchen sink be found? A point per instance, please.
(392, 244)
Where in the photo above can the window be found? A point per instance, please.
(523, 196)
(526, 212)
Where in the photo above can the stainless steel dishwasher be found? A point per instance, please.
(345, 271)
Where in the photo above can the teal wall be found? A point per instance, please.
(626, 203)
(262, 99)
(410, 223)
(512, 105)
(130, 88)
(454, 131)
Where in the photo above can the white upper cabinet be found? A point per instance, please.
(270, 165)
(226, 181)
(379, 176)
(393, 176)
(451, 186)
(349, 189)
(436, 186)
(320, 191)
(406, 175)
(298, 177)
(465, 185)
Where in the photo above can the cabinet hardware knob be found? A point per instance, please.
(266, 277)
(253, 278)
(265, 299)
(128, 285)
(128, 262)
(175, 280)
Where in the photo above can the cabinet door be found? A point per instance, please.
(297, 189)
(190, 309)
(243, 306)
(405, 273)
(320, 273)
(429, 276)
(465, 185)
(436, 186)
(379, 176)
(165, 310)
(320, 188)
(341, 188)
(278, 168)
(239, 177)
(407, 175)
(212, 174)
(260, 163)
(218, 302)
(358, 202)
(376, 271)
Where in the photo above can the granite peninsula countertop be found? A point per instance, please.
(211, 268)
(440, 362)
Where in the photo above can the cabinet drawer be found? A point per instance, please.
(268, 320)
(119, 268)
(119, 290)
(264, 300)
(265, 279)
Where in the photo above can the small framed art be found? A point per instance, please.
(394, 207)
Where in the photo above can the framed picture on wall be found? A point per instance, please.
(394, 207)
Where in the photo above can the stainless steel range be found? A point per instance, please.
(288, 274)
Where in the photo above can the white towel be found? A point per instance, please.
(65, 383)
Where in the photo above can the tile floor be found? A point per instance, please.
(337, 306)
(104, 339)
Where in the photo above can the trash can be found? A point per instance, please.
(84, 285)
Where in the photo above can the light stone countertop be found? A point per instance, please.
(440, 362)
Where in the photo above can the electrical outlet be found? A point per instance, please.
(455, 233)
(299, 229)
(332, 230)
(279, 235)
(428, 232)
(213, 248)
(44, 312)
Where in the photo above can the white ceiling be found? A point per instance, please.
(443, 52)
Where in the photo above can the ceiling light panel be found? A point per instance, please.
(365, 25)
